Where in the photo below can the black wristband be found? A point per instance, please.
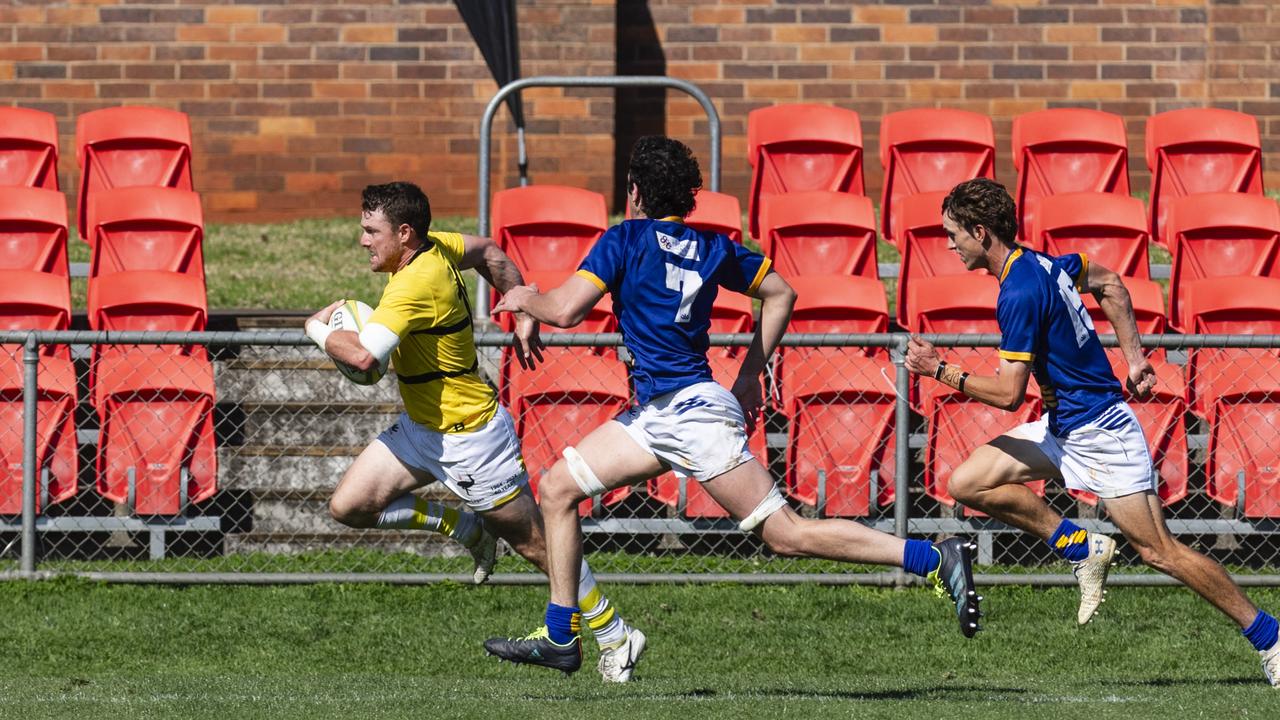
(960, 386)
(937, 374)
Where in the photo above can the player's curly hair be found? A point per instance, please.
(666, 174)
(984, 202)
(402, 202)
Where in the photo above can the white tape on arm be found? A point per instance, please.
(771, 504)
(379, 340)
(582, 473)
(319, 332)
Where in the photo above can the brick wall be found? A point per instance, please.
(296, 105)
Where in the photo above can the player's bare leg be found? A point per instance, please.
(1141, 520)
(376, 492)
(747, 490)
(605, 459)
(993, 480)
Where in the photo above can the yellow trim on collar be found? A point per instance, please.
(1008, 263)
(591, 278)
(672, 218)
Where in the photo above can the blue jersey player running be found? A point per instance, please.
(663, 277)
(1090, 437)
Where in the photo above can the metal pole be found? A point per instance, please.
(901, 449)
(486, 132)
(30, 473)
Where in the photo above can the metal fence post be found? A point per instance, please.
(902, 449)
(30, 473)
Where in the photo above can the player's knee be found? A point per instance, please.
(346, 512)
(558, 489)
(784, 534)
(965, 484)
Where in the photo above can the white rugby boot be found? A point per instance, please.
(1091, 573)
(617, 664)
(484, 551)
(1271, 663)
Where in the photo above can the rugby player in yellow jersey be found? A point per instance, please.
(452, 428)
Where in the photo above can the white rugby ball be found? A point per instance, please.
(352, 315)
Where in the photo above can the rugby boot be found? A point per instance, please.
(953, 578)
(1271, 664)
(1091, 573)
(617, 663)
(536, 648)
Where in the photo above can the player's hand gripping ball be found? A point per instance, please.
(352, 315)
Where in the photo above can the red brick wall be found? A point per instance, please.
(295, 106)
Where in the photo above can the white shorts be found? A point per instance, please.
(698, 430)
(483, 467)
(1107, 457)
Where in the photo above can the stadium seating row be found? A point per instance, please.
(137, 211)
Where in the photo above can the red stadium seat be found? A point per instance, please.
(28, 148)
(923, 247)
(1229, 306)
(145, 300)
(33, 230)
(1067, 150)
(819, 233)
(37, 301)
(716, 212)
(57, 459)
(840, 443)
(547, 227)
(156, 451)
(794, 148)
(930, 150)
(126, 146)
(839, 401)
(1200, 150)
(557, 405)
(957, 424)
(147, 228)
(1243, 401)
(31, 300)
(1220, 235)
(1110, 229)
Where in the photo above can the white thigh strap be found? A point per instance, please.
(582, 473)
(771, 504)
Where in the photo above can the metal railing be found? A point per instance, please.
(285, 426)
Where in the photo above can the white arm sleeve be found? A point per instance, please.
(379, 340)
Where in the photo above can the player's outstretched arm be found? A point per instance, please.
(1113, 297)
(562, 307)
(777, 299)
(500, 271)
(1005, 390)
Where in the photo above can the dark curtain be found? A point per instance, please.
(493, 26)
(637, 111)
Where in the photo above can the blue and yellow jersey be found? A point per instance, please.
(664, 276)
(425, 303)
(1044, 322)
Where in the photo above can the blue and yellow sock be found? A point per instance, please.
(1070, 541)
(563, 623)
(1262, 633)
(920, 558)
(605, 623)
(409, 512)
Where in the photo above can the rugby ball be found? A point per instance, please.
(352, 315)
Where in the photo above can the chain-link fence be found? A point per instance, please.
(212, 456)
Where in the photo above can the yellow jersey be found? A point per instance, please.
(425, 303)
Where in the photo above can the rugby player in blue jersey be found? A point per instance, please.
(663, 277)
(1090, 437)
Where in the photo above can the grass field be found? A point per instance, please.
(76, 649)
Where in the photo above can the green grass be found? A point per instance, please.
(79, 649)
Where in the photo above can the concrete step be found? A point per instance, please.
(295, 424)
